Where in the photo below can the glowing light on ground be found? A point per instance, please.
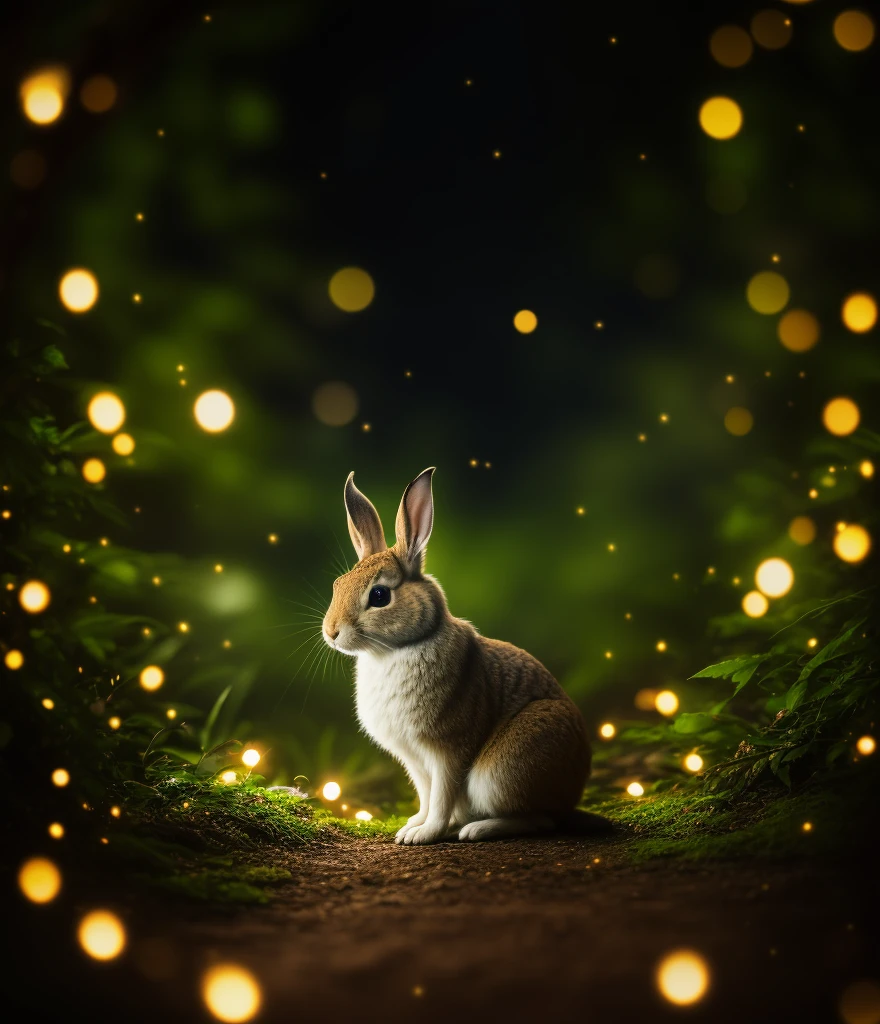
(43, 94)
(251, 757)
(351, 289)
(364, 816)
(107, 414)
(607, 730)
(693, 762)
(93, 471)
(802, 530)
(78, 290)
(854, 30)
(335, 403)
(13, 660)
(231, 993)
(738, 421)
(34, 597)
(152, 677)
(754, 604)
(731, 46)
(102, 935)
(841, 416)
(859, 312)
(683, 977)
(767, 292)
(666, 702)
(798, 330)
(60, 777)
(720, 117)
(123, 444)
(228, 777)
(56, 830)
(39, 880)
(852, 543)
(866, 745)
(635, 789)
(214, 411)
(525, 321)
(331, 791)
(774, 577)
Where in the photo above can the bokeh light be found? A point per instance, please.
(721, 117)
(841, 416)
(802, 530)
(666, 702)
(525, 321)
(56, 830)
(101, 934)
(231, 992)
(738, 421)
(798, 330)
(852, 543)
(335, 403)
(866, 468)
(94, 471)
(767, 292)
(34, 597)
(771, 29)
(854, 30)
(331, 791)
(106, 412)
(214, 411)
(693, 762)
(607, 730)
(774, 577)
(39, 879)
(43, 93)
(114, 722)
(123, 444)
(683, 977)
(98, 94)
(14, 659)
(754, 604)
(635, 789)
(78, 290)
(866, 745)
(859, 312)
(60, 777)
(860, 1003)
(364, 816)
(229, 777)
(731, 46)
(152, 677)
(351, 289)
(48, 703)
(251, 757)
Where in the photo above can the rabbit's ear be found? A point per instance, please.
(364, 524)
(415, 518)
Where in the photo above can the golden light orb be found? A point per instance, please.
(48, 703)
(39, 879)
(866, 468)
(34, 597)
(107, 414)
(214, 411)
(364, 816)
(331, 791)
(231, 992)
(60, 777)
(635, 789)
(812, 642)
(78, 290)
(802, 530)
(228, 777)
(644, 698)
(607, 730)
(683, 977)
(841, 416)
(115, 812)
(123, 444)
(807, 826)
(771, 29)
(171, 713)
(721, 117)
(114, 722)
(798, 330)
(14, 659)
(693, 762)
(335, 403)
(93, 471)
(43, 94)
(218, 567)
(859, 312)
(852, 543)
(767, 292)
(731, 46)
(738, 421)
(860, 1003)
(854, 30)
(525, 321)
(754, 604)
(251, 757)
(351, 289)
(774, 577)
(98, 94)
(661, 645)
(56, 830)
(183, 627)
(102, 935)
(866, 745)
(152, 677)
(666, 702)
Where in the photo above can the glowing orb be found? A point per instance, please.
(251, 757)
(661, 645)
(866, 468)
(802, 530)
(852, 543)
(854, 30)
(98, 94)
(78, 290)
(34, 596)
(525, 321)
(859, 312)
(56, 830)
(123, 444)
(101, 934)
(231, 992)
(48, 703)
(14, 659)
(666, 702)
(774, 577)
(866, 745)
(107, 414)
(364, 816)
(228, 777)
(214, 411)
(738, 421)
(754, 604)
(335, 403)
(43, 94)
(771, 29)
(644, 699)
(39, 880)
(683, 977)
(720, 117)
(635, 789)
(807, 826)
(860, 1003)
(114, 722)
(841, 416)
(693, 762)
(331, 791)
(351, 289)
(94, 471)
(798, 330)
(60, 777)
(731, 46)
(767, 292)
(607, 730)
(152, 677)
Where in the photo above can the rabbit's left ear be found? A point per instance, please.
(415, 518)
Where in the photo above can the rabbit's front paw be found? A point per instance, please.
(414, 821)
(419, 835)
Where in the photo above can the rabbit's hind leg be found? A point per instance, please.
(495, 828)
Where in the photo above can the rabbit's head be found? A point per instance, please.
(386, 602)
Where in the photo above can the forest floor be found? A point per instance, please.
(555, 928)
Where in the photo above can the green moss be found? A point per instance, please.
(235, 883)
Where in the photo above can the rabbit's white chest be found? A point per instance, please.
(389, 700)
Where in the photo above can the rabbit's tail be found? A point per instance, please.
(584, 823)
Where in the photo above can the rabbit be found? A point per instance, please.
(491, 742)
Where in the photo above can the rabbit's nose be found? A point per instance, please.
(333, 633)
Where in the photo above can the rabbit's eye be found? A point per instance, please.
(379, 596)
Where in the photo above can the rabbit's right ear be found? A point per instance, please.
(364, 524)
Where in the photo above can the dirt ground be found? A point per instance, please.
(557, 929)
